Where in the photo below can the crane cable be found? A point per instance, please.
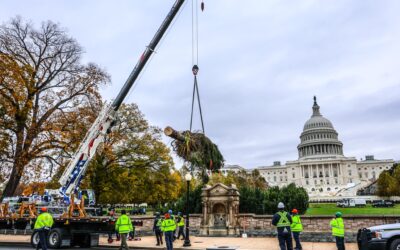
(195, 61)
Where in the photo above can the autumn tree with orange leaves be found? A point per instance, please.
(44, 91)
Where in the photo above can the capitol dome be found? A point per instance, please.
(319, 138)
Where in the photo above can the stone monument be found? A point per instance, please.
(220, 210)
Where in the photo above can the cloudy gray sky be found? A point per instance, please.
(261, 62)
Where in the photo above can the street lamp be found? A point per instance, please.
(188, 178)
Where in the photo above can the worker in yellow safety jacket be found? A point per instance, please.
(123, 227)
(337, 225)
(181, 226)
(168, 226)
(43, 224)
(282, 220)
(296, 228)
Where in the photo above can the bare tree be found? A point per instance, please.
(42, 85)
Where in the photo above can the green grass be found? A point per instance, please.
(331, 209)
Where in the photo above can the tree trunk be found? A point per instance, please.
(168, 131)
(13, 182)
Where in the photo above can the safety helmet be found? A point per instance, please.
(167, 216)
(281, 205)
(170, 211)
(43, 209)
(338, 214)
(294, 211)
(179, 213)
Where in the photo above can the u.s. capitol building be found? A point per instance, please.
(322, 169)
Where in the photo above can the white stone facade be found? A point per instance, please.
(322, 169)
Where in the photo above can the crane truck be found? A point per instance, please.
(84, 230)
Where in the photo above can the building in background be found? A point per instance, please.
(322, 169)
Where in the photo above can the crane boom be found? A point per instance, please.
(76, 169)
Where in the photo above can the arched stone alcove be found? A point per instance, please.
(220, 210)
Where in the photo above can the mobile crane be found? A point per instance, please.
(84, 230)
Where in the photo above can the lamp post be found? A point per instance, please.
(188, 178)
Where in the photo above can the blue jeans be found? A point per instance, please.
(296, 236)
(169, 238)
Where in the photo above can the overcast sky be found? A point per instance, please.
(261, 62)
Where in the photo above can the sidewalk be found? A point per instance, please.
(202, 243)
(242, 243)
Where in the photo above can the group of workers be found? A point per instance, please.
(288, 224)
(168, 226)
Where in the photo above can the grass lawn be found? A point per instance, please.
(331, 209)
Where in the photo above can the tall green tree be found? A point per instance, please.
(389, 181)
(134, 165)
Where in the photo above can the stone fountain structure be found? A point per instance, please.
(220, 210)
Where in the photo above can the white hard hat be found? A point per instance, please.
(281, 205)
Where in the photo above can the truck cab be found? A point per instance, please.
(385, 237)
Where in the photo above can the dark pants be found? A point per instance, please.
(159, 236)
(124, 244)
(296, 236)
(285, 241)
(181, 232)
(169, 238)
(42, 239)
(340, 243)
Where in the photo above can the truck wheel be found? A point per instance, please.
(55, 238)
(395, 245)
(35, 239)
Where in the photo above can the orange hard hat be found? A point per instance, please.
(167, 216)
(294, 211)
(44, 209)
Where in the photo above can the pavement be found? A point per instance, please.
(22, 242)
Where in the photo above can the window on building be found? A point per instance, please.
(320, 174)
(327, 182)
(281, 178)
(312, 189)
(293, 175)
(349, 172)
(321, 181)
(373, 174)
(328, 189)
(307, 183)
(360, 175)
(336, 181)
(274, 178)
(366, 174)
(306, 175)
(350, 180)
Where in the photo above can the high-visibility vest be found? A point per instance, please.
(168, 225)
(181, 222)
(296, 225)
(337, 227)
(284, 220)
(159, 222)
(124, 224)
(44, 220)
